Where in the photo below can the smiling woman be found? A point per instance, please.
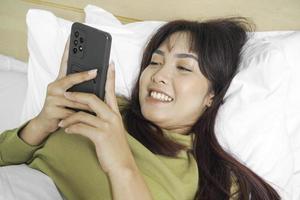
(185, 72)
(172, 77)
(159, 144)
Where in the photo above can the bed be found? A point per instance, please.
(264, 92)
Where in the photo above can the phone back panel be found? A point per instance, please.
(89, 49)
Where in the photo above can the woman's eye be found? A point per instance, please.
(153, 63)
(183, 68)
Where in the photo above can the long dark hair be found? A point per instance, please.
(218, 44)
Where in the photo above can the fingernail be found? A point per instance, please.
(93, 72)
(61, 124)
(67, 94)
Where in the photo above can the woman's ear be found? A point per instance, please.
(209, 99)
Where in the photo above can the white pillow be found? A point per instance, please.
(47, 36)
(260, 120)
(251, 124)
(21, 182)
(8, 63)
(290, 44)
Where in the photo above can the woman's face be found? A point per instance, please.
(173, 92)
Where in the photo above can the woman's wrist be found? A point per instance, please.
(128, 183)
(123, 172)
(33, 134)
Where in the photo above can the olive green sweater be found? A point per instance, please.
(71, 162)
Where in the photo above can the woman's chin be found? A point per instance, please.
(155, 116)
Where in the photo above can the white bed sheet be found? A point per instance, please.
(13, 86)
(20, 182)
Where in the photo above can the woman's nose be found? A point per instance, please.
(162, 75)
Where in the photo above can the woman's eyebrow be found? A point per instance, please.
(186, 55)
(179, 55)
(160, 52)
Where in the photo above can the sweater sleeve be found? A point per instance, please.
(13, 150)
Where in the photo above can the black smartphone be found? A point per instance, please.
(89, 49)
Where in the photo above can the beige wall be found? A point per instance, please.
(267, 14)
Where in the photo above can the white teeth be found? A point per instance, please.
(160, 96)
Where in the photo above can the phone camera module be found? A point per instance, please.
(75, 42)
(81, 40)
(80, 48)
(74, 50)
(76, 34)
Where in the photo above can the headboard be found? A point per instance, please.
(268, 15)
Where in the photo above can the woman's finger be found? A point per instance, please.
(73, 79)
(60, 113)
(110, 95)
(84, 130)
(81, 117)
(63, 102)
(95, 103)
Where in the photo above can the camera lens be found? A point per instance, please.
(81, 40)
(80, 48)
(76, 34)
(75, 42)
(75, 50)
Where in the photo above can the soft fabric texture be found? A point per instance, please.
(71, 162)
(290, 44)
(21, 182)
(8, 63)
(13, 86)
(47, 36)
(251, 124)
(259, 121)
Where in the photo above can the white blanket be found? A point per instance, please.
(19, 182)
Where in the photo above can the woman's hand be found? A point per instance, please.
(105, 130)
(55, 106)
